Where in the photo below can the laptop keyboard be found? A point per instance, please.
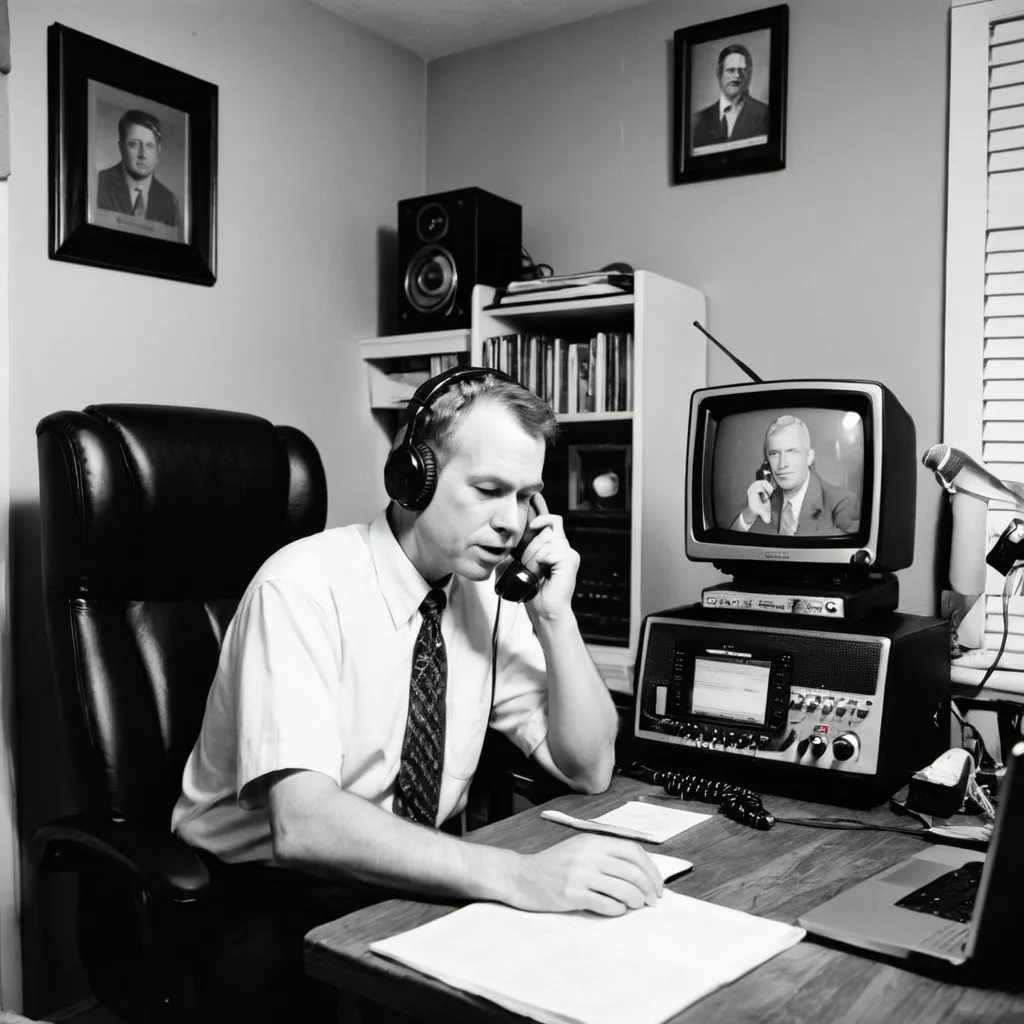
(950, 896)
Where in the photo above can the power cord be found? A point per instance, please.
(530, 270)
(743, 805)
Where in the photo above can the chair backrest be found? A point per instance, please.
(154, 520)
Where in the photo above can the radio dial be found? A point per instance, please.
(818, 745)
(846, 747)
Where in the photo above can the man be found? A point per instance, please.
(299, 774)
(130, 187)
(799, 503)
(736, 115)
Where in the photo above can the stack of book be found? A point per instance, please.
(592, 375)
(566, 287)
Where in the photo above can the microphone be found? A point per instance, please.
(958, 472)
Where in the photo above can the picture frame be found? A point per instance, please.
(729, 96)
(133, 161)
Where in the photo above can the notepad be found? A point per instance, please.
(580, 968)
(646, 823)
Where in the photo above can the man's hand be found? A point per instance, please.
(550, 556)
(597, 873)
(759, 495)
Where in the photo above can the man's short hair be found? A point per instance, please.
(141, 118)
(734, 48)
(443, 416)
(786, 421)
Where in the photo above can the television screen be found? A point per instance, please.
(802, 476)
(808, 458)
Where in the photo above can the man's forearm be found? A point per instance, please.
(582, 721)
(325, 831)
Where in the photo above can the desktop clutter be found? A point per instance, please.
(798, 676)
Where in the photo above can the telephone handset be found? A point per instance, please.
(517, 583)
(765, 473)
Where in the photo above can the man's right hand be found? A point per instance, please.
(597, 873)
(759, 495)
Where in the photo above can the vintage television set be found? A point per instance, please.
(856, 523)
(798, 674)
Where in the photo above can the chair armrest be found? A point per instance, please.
(158, 863)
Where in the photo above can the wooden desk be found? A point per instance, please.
(778, 874)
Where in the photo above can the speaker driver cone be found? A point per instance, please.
(431, 279)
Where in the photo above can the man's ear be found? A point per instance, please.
(810, 456)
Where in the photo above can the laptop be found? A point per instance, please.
(944, 905)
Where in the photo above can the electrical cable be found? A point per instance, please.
(1009, 585)
(532, 270)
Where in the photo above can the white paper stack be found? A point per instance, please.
(582, 968)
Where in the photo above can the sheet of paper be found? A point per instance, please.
(654, 820)
(581, 968)
(646, 823)
(669, 867)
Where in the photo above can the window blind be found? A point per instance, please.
(1003, 352)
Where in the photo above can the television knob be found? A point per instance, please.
(846, 747)
(818, 745)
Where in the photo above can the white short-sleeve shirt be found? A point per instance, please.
(314, 674)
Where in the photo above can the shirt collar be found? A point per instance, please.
(725, 104)
(134, 183)
(400, 581)
(797, 500)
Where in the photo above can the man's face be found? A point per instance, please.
(481, 505)
(734, 78)
(140, 151)
(789, 457)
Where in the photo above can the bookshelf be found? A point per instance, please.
(640, 547)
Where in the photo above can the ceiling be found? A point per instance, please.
(436, 28)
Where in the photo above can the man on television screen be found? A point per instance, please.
(789, 498)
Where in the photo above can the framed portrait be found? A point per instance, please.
(729, 96)
(133, 161)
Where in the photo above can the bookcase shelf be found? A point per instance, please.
(388, 357)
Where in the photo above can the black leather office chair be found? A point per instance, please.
(154, 519)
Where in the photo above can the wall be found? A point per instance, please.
(831, 267)
(321, 132)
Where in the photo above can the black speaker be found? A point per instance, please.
(448, 242)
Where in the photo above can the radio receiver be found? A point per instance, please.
(838, 712)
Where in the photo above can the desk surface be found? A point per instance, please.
(778, 874)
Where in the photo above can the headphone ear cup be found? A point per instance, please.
(410, 475)
(426, 477)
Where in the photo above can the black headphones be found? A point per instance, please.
(410, 473)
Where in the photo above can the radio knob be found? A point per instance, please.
(818, 745)
(846, 747)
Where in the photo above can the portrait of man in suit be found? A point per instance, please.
(138, 150)
(736, 116)
(131, 187)
(789, 498)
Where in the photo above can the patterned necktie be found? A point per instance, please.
(725, 124)
(418, 785)
(139, 206)
(787, 525)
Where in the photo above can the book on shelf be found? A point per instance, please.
(443, 361)
(572, 376)
(569, 294)
(617, 278)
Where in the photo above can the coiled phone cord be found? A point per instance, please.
(735, 802)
